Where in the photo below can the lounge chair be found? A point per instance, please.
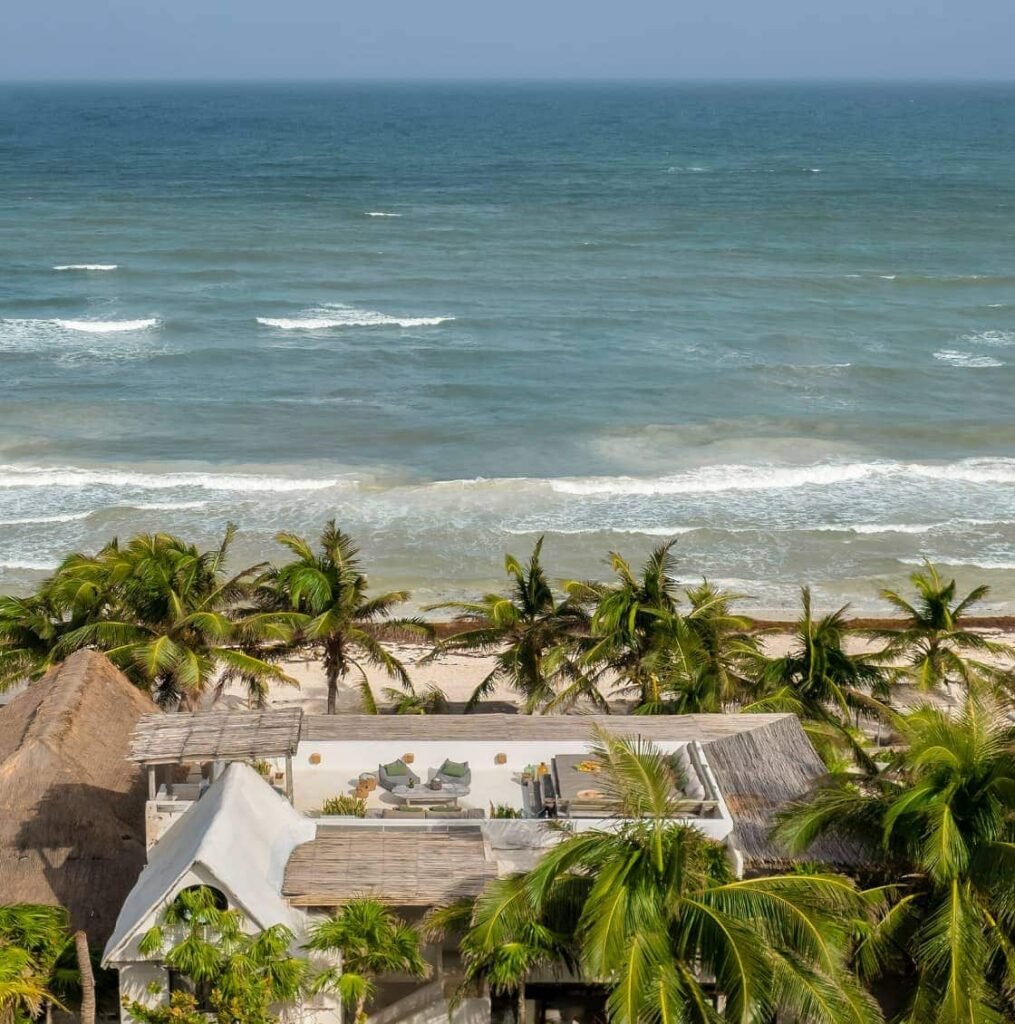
(397, 773)
(454, 773)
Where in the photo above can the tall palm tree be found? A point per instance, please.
(170, 616)
(649, 907)
(705, 658)
(324, 596)
(372, 942)
(941, 824)
(933, 646)
(527, 627)
(819, 680)
(631, 620)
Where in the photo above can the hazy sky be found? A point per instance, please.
(106, 39)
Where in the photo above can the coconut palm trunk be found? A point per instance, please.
(87, 978)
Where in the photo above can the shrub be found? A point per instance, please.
(504, 811)
(347, 806)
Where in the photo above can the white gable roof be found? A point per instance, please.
(239, 837)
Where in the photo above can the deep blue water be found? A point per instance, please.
(778, 321)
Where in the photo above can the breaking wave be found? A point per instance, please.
(42, 476)
(713, 479)
(327, 317)
(86, 266)
(380, 213)
(953, 357)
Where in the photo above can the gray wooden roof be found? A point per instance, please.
(704, 728)
(215, 735)
(408, 867)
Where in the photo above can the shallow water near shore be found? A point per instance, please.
(777, 322)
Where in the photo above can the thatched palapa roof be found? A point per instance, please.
(407, 868)
(72, 829)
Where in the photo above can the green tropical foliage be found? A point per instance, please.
(324, 597)
(650, 908)
(940, 826)
(818, 679)
(527, 627)
(630, 622)
(933, 648)
(166, 613)
(706, 657)
(237, 974)
(37, 960)
(372, 941)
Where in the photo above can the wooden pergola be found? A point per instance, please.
(216, 737)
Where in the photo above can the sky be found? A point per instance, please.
(524, 39)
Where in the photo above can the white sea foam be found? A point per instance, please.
(86, 266)
(710, 479)
(999, 338)
(887, 277)
(381, 213)
(165, 506)
(977, 563)
(69, 476)
(70, 517)
(577, 531)
(35, 565)
(953, 357)
(106, 326)
(326, 317)
(719, 478)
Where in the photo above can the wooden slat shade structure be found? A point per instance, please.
(216, 736)
(408, 868)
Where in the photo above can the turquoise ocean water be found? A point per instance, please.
(777, 322)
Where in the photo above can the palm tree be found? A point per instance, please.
(528, 629)
(630, 622)
(170, 616)
(941, 824)
(324, 597)
(34, 940)
(933, 646)
(29, 629)
(705, 658)
(372, 941)
(243, 973)
(819, 680)
(649, 908)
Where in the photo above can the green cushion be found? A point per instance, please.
(454, 770)
(396, 768)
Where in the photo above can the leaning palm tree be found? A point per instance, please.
(649, 908)
(324, 596)
(170, 616)
(372, 941)
(940, 823)
(630, 621)
(527, 628)
(933, 646)
(822, 682)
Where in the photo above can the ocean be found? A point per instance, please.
(776, 322)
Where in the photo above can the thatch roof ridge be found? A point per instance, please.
(72, 831)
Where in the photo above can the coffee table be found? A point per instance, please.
(423, 794)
